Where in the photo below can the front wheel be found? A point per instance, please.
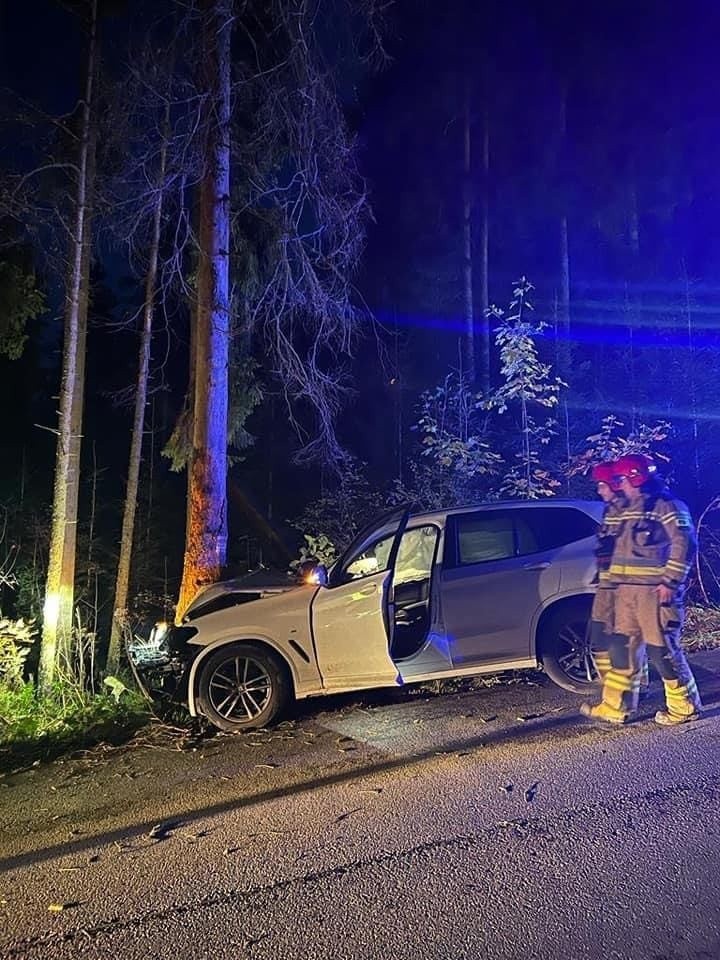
(567, 655)
(242, 687)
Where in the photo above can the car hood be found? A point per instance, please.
(217, 596)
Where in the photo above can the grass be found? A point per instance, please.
(36, 727)
(702, 628)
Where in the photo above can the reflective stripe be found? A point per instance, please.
(616, 681)
(635, 570)
(683, 700)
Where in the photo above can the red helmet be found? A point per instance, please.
(604, 473)
(637, 468)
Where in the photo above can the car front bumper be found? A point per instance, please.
(161, 663)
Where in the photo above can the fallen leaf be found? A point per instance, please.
(161, 830)
(59, 907)
(531, 792)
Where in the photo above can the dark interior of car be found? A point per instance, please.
(412, 617)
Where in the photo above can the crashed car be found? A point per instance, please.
(451, 593)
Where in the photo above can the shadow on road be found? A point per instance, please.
(708, 682)
(560, 727)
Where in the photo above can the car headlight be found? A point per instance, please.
(158, 633)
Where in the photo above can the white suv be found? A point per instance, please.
(474, 590)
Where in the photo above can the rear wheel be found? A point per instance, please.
(242, 687)
(566, 652)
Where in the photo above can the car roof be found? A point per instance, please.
(593, 508)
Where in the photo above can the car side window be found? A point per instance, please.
(414, 559)
(484, 536)
(416, 554)
(554, 527)
(373, 559)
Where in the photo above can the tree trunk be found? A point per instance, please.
(468, 351)
(691, 385)
(122, 582)
(206, 534)
(76, 420)
(59, 590)
(485, 348)
(564, 349)
(633, 297)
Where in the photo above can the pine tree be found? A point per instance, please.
(59, 593)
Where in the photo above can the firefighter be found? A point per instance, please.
(601, 615)
(651, 559)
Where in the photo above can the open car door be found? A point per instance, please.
(352, 617)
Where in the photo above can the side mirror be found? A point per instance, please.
(312, 571)
(320, 575)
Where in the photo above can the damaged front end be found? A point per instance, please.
(161, 663)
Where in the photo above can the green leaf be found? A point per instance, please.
(117, 687)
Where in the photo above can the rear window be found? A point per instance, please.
(485, 536)
(502, 534)
(555, 527)
(492, 535)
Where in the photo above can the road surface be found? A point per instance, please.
(490, 823)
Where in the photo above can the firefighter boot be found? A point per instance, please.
(601, 659)
(621, 684)
(599, 640)
(682, 700)
(602, 711)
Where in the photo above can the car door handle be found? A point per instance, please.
(368, 591)
(543, 565)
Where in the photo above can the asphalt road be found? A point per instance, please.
(491, 823)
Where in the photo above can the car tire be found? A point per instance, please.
(242, 686)
(566, 653)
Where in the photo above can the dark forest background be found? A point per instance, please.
(602, 188)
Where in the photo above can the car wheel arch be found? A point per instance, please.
(562, 648)
(580, 603)
(229, 642)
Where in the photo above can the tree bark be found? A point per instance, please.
(485, 332)
(633, 296)
(564, 348)
(59, 590)
(468, 351)
(206, 533)
(122, 582)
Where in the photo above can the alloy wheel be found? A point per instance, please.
(240, 688)
(576, 659)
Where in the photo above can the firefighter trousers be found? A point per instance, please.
(641, 622)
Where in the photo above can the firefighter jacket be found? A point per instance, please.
(607, 532)
(655, 543)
